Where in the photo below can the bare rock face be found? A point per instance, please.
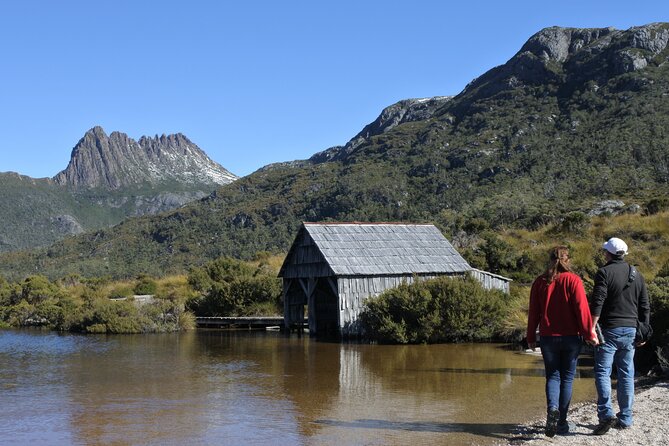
(628, 50)
(571, 55)
(407, 110)
(558, 44)
(66, 224)
(115, 161)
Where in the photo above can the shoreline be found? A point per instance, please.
(651, 426)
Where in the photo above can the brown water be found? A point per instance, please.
(261, 388)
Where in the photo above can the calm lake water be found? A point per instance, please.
(262, 388)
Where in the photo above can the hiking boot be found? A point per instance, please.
(551, 422)
(604, 426)
(564, 427)
(619, 425)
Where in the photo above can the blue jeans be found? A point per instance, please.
(618, 349)
(560, 355)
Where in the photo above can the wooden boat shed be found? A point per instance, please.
(333, 267)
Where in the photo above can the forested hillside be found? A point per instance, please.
(577, 116)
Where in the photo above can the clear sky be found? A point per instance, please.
(250, 82)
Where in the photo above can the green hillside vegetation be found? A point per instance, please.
(527, 144)
(52, 210)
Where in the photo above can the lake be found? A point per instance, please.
(262, 388)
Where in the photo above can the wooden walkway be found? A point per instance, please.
(242, 322)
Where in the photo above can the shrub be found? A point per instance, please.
(187, 321)
(658, 290)
(234, 288)
(145, 285)
(406, 314)
(469, 312)
(20, 314)
(657, 205)
(38, 288)
(122, 291)
(500, 256)
(575, 223)
(664, 270)
(437, 310)
(116, 317)
(199, 279)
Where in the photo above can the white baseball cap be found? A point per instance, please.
(615, 246)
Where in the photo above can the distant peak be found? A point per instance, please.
(97, 131)
(116, 161)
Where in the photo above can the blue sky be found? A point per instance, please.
(253, 82)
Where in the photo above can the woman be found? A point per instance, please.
(559, 307)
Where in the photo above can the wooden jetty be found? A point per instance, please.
(248, 322)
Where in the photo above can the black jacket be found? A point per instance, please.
(617, 301)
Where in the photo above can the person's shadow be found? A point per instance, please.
(494, 430)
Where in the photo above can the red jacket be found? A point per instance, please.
(559, 308)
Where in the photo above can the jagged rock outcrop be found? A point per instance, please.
(571, 55)
(407, 110)
(116, 161)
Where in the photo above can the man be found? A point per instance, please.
(619, 300)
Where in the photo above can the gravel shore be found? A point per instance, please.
(651, 424)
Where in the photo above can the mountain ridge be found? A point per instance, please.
(532, 142)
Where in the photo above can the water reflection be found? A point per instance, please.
(216, 387)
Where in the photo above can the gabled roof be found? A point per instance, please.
(370, 249)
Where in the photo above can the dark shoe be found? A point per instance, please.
(551, 422)
(563, 428)
(604, 426)
(619, 425)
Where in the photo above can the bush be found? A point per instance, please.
(115, 317)
(500, 256)
(122, 291)
(438, 310)
(234, 288)
(658, 290)
(664, 270)
(36, 289)
(575, 223)
(145, 285)
(657, 205)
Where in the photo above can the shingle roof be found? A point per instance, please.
(385, 249)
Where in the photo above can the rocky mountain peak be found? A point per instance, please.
(115, 161)
(558, 44)
(574, 56)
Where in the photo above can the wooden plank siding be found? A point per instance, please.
(490, 281)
